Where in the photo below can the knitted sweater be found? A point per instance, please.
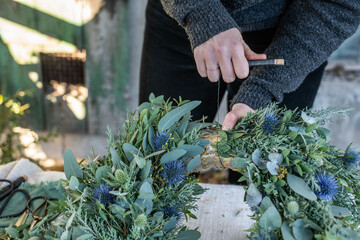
(308, 31)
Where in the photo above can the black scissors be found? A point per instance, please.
(37, 216)
(9, 191)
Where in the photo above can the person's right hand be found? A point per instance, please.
(225, 54)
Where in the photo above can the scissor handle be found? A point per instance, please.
(7, 189)
(27, 196)
(44, 204)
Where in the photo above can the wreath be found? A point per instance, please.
(299, 186)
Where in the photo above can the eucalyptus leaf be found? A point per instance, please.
(272, 167)
(188, 235)
(172, 155)
(299, 186)
(297, 129)
(140, 162)
(300, 231)
(158, 100)
(145, 105)
(183, 125)
(276, 158)
(12, 232)
(146, 191)
(288, 114)
(308, 119)
(71, 166)
(74, 183)
(270, 219)
(149, 180)
(256, 158)
(154, 154)
(193, 163)
(173, 116)
(102, 172)
(340, 211)
(85, 237)
(191, 150)
(312, 225)
(146, 170)
(144, 141)
(130, 151)
(293, 135)
(266, 203)
(323, 133)
(240, 163)
(146, 204)
(159, 216)
(253, 196)
(311, 127)
(170, 224)
(286, 231)
(115, 158)
(203, 142)
(151, 135)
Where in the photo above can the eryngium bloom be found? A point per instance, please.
(161, 139)
(260, 237)
(141, 221)
(174, 172)
(351, 157)
(270, 122)
(171, 212)
(102, 193)
(328, 186)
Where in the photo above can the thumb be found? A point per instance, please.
(230, 121)
(239, 110)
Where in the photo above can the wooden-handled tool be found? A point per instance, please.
(267, 62)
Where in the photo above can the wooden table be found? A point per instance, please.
(222, 213)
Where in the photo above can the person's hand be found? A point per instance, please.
(239, 110)
(225, 54)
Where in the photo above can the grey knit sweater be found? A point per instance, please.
(308, 32)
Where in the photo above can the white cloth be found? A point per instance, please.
(24, 167)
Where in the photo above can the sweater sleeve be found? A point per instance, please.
(201, 19)
(308, 33)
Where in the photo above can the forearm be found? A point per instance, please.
(308, 33)
(201, 19)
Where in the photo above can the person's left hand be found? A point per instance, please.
(239, 110)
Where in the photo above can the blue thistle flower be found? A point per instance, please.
(351, 157)
(102, 193)
(328, 186)
(260, 237)
(271, 122)
(171, 212)
(174, 172)
(161, 139)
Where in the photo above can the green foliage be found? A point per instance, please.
(282, 167)
(12, 111)
(123, 195)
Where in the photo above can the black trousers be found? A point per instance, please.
(168, 67)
